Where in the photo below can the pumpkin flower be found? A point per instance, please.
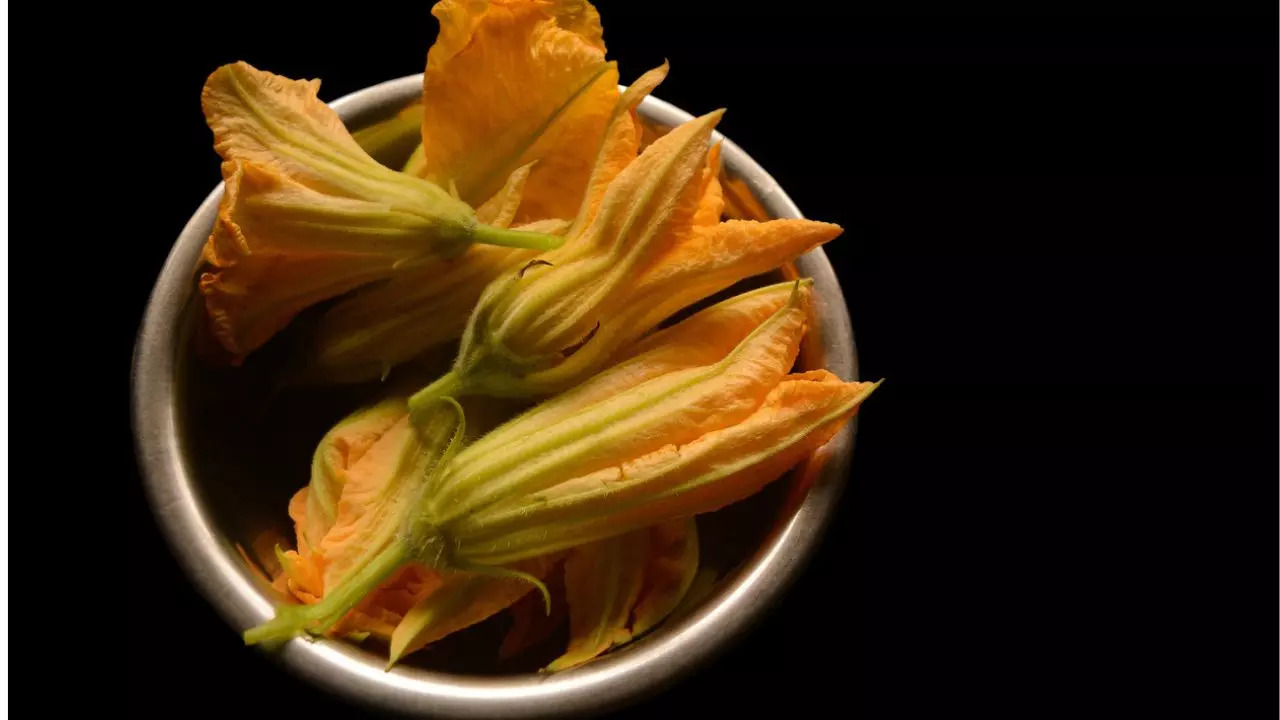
(377, 462)
(358, 492)
(684, 442)
(641, 256)
(363, 336)
(307, 214)
(367, 473)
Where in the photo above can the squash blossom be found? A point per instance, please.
(306, 213)
(350, 510)
(569, 135)
(703, 416)
(639, 257)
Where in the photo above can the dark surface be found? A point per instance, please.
(1060, 251)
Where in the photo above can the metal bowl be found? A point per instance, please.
(213, 492)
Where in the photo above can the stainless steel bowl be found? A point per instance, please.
(208, 499)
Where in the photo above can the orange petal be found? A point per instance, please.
(384, 608)
(509, 83)
(307, 214)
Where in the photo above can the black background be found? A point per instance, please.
(1060, 251)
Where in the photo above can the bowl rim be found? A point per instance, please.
(619, 678)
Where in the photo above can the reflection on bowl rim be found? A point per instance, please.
(625, 675)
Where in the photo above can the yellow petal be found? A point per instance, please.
(672, 565)
(509, 83)
(602, 582)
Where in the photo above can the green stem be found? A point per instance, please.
(516, 238)
(448, 385)
(291, 620)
